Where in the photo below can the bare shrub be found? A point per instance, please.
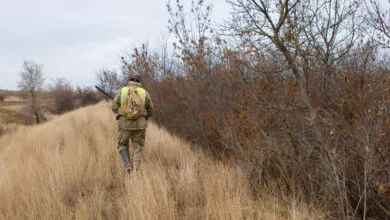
(85, 96)
(63, 96)
(254, 119)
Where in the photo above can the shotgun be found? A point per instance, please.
(108, 96)
(104, 92)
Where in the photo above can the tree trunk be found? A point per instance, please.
(301, 81)
(34, 107)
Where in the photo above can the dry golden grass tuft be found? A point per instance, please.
(69, 168)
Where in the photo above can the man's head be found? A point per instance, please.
(134, 77)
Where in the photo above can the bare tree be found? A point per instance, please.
(378, 19)
(193, 35)
(306, 33)
(275, 24)
(31, 81)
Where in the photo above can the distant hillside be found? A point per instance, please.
(8, 92)
(69, 168)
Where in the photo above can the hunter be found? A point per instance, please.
(133, 105)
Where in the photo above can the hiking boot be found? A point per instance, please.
(125, 154)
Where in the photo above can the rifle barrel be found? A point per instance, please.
(104, 92)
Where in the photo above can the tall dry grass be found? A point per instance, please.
(69, 168)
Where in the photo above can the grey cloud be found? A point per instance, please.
(75, 38)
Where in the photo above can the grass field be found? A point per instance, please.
(11, 110)
(10, 116)
(69, 168)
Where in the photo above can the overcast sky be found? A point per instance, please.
(75, 38)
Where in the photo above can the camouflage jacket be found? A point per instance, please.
(137, 124)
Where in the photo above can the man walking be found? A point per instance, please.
(133, 106)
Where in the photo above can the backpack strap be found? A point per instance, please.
(142, 94)
(124, 92)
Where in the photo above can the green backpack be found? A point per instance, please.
(133, 102)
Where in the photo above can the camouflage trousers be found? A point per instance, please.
(136, 138)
